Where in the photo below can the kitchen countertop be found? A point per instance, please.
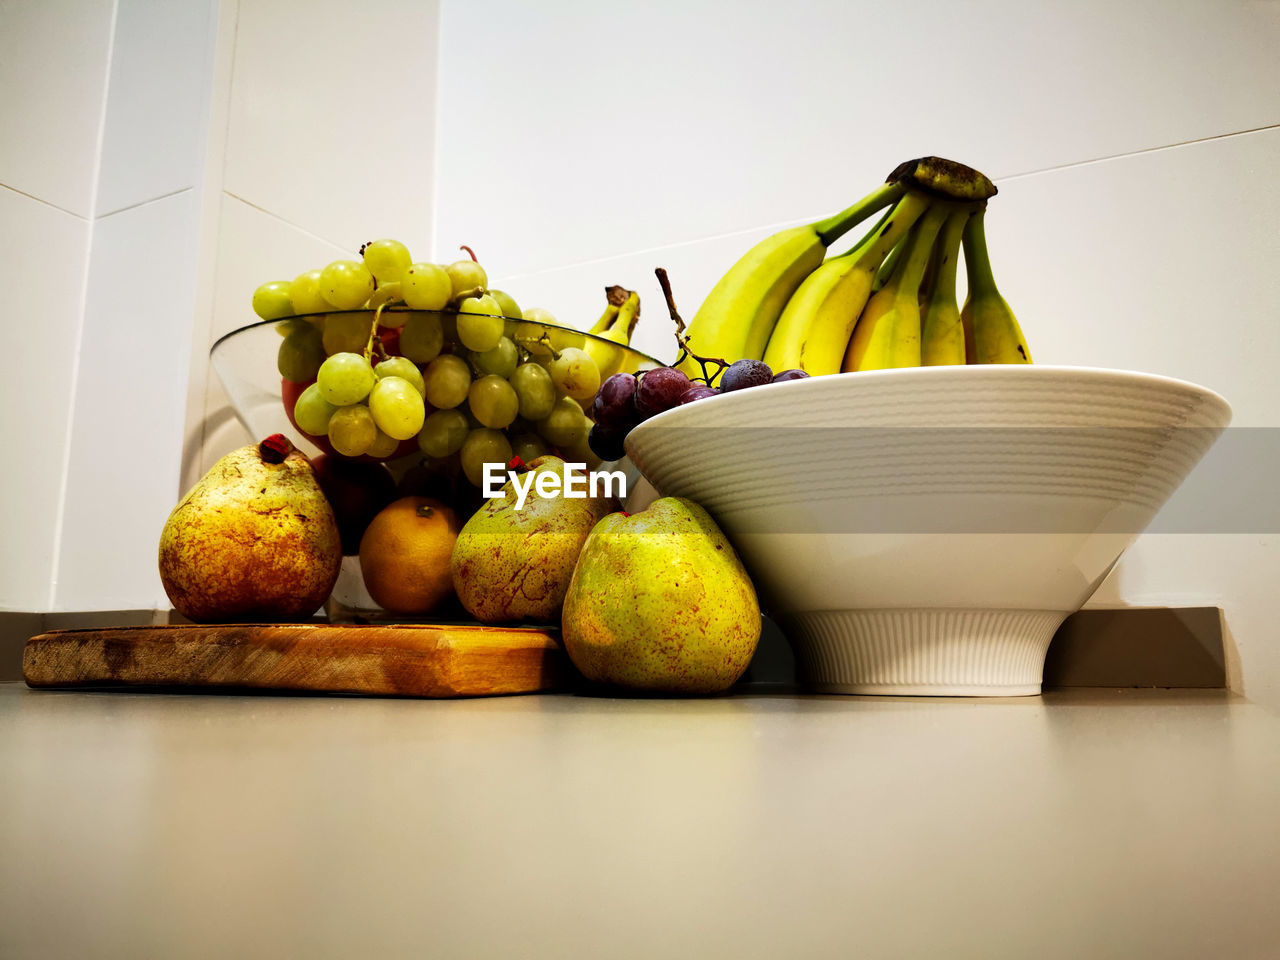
(1099, 823)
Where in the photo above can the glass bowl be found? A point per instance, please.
(245, 362)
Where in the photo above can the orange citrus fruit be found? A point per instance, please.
(405, 552)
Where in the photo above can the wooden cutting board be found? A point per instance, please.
(420, 660)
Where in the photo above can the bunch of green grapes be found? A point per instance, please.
(431, 354)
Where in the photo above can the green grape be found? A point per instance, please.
(271, 300)
(493, 401)
(312, 412)
(421, 338)
(534, 387)
(346, 332)
(305, 293)
(402, 367)
(575, 372)
(507, 304)
(397, 407)
(539, 315)
(448, 379)
(352, 430)
(483, 446)
(466, 277)
(345, 378)
(501, 360)
(387, 260)
(529, 447)
(480, 323)
(383, 446)
(286, 327)
(565, 426)
(443, 432)
(426, 286)
(300, 355)
(346, 284)
(394, 317)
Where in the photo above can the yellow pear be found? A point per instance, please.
(255, 539)
(659, 601)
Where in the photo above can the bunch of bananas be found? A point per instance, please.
(890, 301)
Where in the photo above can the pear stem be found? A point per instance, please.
(275, 448)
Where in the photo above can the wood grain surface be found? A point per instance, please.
(420, 660)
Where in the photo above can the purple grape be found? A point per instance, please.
(696, 392)
(607, 444)
(745, 373)
(786, 375)
(659, 390)
(615, 402)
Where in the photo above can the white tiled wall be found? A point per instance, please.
(130, 405)
(38, 333)
(53, 66)
(331, 124)
(101, 152)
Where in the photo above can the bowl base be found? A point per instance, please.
(923, 652)
(925, 690)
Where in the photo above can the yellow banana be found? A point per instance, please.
(737, 317)
(991, 331)
(617, 296)
(889, 265)
(815, 327)
(610, 358)
(942, 333)
(888, 332)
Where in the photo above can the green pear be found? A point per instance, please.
(660, 601)
(513, 561)
(255, 539)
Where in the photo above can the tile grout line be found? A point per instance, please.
(1138, 153)
(59, 523)
(288, 222)
(32, 196)
(142, 203)
(780, 225)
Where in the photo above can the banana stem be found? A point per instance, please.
(869, 235)
(835, 227)
(948, 252)
(606, 320)
(628, 315)
(977, 262)
(900, 220)
(889, 266)
(907, 277)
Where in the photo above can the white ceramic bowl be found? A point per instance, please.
(925, 531)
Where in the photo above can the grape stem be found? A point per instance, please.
(374, 338)
(682, 339)
(544, 339)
